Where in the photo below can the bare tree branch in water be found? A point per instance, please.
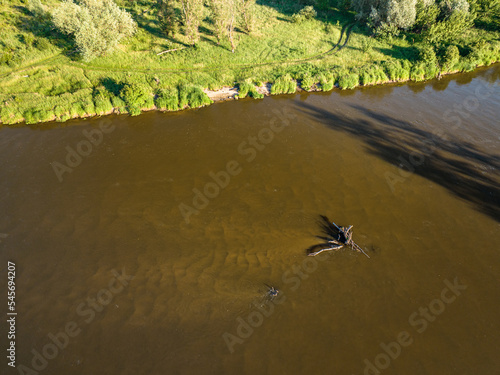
(336, 238)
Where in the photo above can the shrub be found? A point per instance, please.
(386, 31)
(348, 80)
(307, 82)
(450, 28)
(428, 58)
(371, 75)
(418, 72)
(243, 89)
(427, 54)
(248, 89)
(36, 8)
(450, 58)
(426, 15)
(102, 100)
(326, 81)
(33, 116)
(306, 13)
(167, 99)
(284, 85)
(96, 25)
(136, 97)
(42, 44)
(192, 96)
(118, 104)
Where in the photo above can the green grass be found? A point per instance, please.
(42, 77)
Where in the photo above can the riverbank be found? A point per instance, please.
(42, 78)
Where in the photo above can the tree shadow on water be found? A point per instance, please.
(459, 166)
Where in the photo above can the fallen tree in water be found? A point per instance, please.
(336, 238)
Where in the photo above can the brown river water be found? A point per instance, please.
(146, 245)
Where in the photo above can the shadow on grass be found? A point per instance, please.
(398, 52)
(44, 28)
(112, 86)
(452, 164)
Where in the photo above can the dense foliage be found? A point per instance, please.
(96, 25)
(181, 47)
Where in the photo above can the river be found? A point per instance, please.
(146, 245)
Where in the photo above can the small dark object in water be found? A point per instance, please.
(272, 291)
(336, 238)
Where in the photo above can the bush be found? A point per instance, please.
(102, 101)
(167, 99)
(418, 72)
(371, 75)
(348, 80)
(42, 44)
(284, 85)
(428, 59)
(96, 25)
(136, 97)
(427, 54)
(307, 82)
(306, 13)
(192, 96)
(426, 15)
(118, 104)
(243, 89)
(247, 89)
(326, 81)
(397, 71)
(36, 8)
(450, 58)
(386, 31)
(450, 28)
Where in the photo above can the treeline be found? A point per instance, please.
(435, 20)
(98, 25)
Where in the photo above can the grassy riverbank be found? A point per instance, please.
(42, 78)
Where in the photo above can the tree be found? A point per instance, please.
(401, 13)
(97, 26)
(232, 18)
(224, 14)
(191, 14)
(427, 14)
(247, 14)
(220, 17)
(167, 16)
(450, 28)
(387, 13)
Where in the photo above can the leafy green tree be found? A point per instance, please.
(487, 13)
(427, 14)
(401, 13)
(167, 16)
(450, 28)
(393, 13)
(97, 26)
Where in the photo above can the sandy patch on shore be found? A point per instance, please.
(228, 93)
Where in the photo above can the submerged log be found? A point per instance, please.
(336, 238)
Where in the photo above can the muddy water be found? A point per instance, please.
(414, 168)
